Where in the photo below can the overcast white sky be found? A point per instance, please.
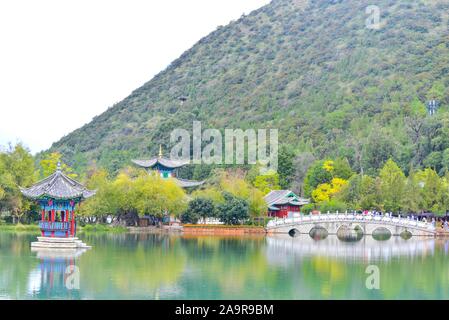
(63, 62)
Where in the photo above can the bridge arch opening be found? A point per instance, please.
(318, 233)
(381, 234)
(350, 233)
(406, 235)
(294, 233)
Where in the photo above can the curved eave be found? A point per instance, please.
(183, 183)
(83, 196)
(167, 163)
(145, 163)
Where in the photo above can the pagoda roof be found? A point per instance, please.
(280, 197)
(57, 186)
(168, 163)
(183, 183)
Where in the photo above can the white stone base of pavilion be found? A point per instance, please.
(59, 243)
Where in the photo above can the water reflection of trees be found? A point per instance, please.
(227, 267)
(14, 268)
(142, 266)
(132, 265)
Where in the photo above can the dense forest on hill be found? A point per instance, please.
(333, 87)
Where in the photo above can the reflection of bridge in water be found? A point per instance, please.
(282, 248)
(367, 223)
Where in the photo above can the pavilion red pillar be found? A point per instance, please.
(72, 224)
(43, 219)
(53, 220)
(66, 219)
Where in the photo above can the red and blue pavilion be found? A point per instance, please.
(58, 196)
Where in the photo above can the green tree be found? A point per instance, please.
(129, 197)
(16, 170)
(286, 169)
(379, 148)
(198, 208)
(50, 163)
(234, 210)
(431, 190)
(412, 194)
(445, 159)
(316, 175)
(332, 206)
(267, 182)
(433, 160)
(443, 206)
(233, 183)
(392, 186)
(342, 169)
(361, 193)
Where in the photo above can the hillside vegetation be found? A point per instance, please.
(334, 88)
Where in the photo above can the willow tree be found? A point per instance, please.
(128, 197)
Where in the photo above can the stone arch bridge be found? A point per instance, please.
(333, 222)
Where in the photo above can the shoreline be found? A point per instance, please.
(189, 229)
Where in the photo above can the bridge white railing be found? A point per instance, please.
(397, 221)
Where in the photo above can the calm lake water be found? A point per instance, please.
(128, 266)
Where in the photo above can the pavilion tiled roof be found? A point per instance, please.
(183, 183)
(168, 163)
(280, 197)
(171, 164)
(57, 186)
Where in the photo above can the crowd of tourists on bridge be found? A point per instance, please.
(439, 221)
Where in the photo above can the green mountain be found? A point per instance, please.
(313, 69)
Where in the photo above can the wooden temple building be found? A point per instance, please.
(284, 203)
(58, 195)
(168, 169)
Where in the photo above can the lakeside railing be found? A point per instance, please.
(54, 226)
(350, 217)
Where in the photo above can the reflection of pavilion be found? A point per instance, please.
(282, 248)
(57, 275)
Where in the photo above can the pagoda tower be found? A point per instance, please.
(167, 169)
(58, 195)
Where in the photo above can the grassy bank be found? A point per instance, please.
(102, 228)
(228, 230)
(19, 227)
(35, 228)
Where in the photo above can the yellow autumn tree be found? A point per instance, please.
(50, 163)
(325, 191)
(328, 165)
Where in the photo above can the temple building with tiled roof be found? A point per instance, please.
(284, 203)
(167, 169)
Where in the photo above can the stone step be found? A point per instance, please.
(39, 244)
(59, 243)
